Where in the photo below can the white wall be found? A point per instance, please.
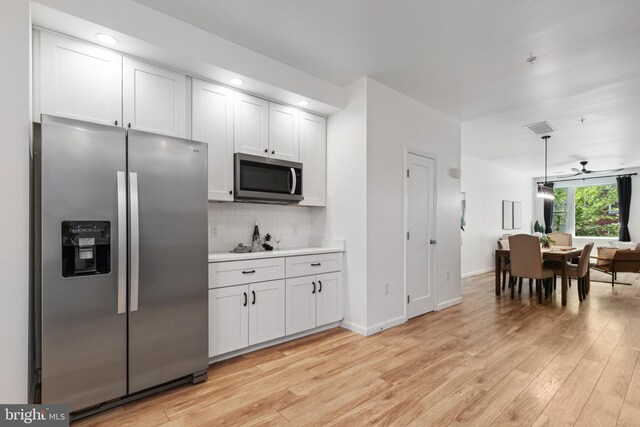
(345, 217)
(234, 223)
(15, 45)
(396, 121)
(486, 185)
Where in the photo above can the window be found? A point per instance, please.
(560, 210)
(587, 211)
(596, 210)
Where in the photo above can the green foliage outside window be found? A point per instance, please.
(560, 210)
(597, 211)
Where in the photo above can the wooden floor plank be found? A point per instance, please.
(630, 413)
(488, 361)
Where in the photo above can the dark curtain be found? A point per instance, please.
(624, 202)
(548, 211)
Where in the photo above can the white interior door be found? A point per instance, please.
(420, 239)
(154, 98)
(301, 304)
(212, 122)
(266, 311)
(79, 81)
(228, 319)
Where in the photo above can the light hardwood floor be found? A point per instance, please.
(487, 361)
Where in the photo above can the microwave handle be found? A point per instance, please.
(295, 181)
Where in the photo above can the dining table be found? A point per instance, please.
(563, 256)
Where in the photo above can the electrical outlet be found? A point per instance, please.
(448, 275)
(294, 230)
(386, 289)
(214, 231)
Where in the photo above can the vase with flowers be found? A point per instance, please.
(546, 241)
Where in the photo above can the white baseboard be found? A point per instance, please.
(447, 304)
(386, 325)
(477, 272)
(379, 327)
(354, 327)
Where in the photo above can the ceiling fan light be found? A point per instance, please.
(545, 192)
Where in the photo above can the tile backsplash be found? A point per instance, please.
(232, 223)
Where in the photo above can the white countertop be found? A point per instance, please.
(229, 256)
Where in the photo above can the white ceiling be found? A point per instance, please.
(467, 58)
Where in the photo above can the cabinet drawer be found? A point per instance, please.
(313, 264)
(240, 272)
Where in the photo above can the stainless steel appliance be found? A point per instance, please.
(121, 262)
(265, 180)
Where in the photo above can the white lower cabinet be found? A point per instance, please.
(328, 299)
(301, 304)
(244, 315)
(254, 301)
(266, 311)
(228, 319)
(313, 301)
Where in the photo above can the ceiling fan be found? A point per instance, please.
(585, 171)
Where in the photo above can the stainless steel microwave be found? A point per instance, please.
(264, 180)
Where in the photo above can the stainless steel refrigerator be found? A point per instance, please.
(120, 220)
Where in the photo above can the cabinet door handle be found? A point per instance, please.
(115, 123)
(314, 288)
(253, 294)
(246, 299)
(248, 271)
(320, 283)
(266, 150)
(316, 264)
(129, 125)
(273, 152)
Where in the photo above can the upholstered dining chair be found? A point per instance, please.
(580, 271)
(526, 261)
(561, 239)
(504, 263)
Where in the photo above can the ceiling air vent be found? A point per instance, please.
(541, 128)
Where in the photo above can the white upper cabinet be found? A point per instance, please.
(313, 156)
(154, 98)
(283, 132)
(212, 122)
(250, 124)
(79, 81)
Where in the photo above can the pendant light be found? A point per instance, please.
(544, 190)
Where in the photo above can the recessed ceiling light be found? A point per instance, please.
(303, 103)
(107, 39)
(236, 81)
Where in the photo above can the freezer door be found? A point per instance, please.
(168, 333)
(83, 277)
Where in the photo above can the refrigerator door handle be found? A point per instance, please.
(121, 179)
(134, 239)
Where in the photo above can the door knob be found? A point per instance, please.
(433, 241)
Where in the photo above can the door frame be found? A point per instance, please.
(417, 152)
